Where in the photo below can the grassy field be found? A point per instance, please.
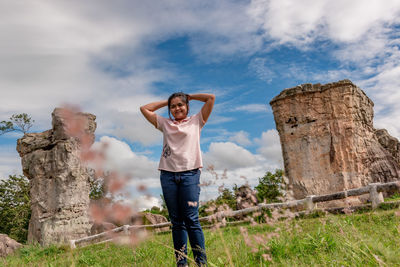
(368, 239)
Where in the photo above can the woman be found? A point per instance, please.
(180, 165)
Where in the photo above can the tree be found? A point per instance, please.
(18, 122)
(226, 197)
(270, 187)
(15, 209)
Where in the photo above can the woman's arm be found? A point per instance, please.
(208, 100)
(148, 111)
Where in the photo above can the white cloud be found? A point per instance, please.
(230, 156)
(253, 108)
(60, 52)
(241, 138)
(362, 35)
(57, 52)
(10, 162)
(216, 119)
(302, 22)
(241, 165)
(368, 51)
(227, 30)
(142, 203)
(119, 157)
(227, 155)
(47, 60)
(330, 75)
(270, 147)
(287, 21)
(240, 176)
(261, 67)
(349, 21)
(385, 91)
(131, 126)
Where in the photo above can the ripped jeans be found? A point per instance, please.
(181, 192)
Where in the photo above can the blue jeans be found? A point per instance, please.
(181, 192)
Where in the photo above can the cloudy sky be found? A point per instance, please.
(110, 57)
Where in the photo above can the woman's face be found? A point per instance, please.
(178, 108)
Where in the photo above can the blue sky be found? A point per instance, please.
(111, 57)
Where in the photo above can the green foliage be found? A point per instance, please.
(203, 208)
(97, 189)
(15, 209)
(18, 122)
(270, 187)
(226, 197)
(395, 196)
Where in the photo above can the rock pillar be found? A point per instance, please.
(59, 181)
(328, 140)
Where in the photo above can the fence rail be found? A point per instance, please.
(374, 190)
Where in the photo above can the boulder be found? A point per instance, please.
(245, 197)
(7, 245)
(98, 228)
(328, 140)
(155, 219)
(59, 180)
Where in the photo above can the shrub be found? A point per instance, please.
(15, 209)
(270, 187)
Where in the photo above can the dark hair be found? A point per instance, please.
(184, 97)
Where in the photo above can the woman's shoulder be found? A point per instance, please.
(198, 118)
(161, 121)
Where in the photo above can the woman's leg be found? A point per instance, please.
(189, 202)
(170, 187)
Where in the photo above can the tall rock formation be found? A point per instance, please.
(59, 181)
(328, 140)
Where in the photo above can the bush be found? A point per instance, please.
(270, 187)
(15, 209)
(226, 197)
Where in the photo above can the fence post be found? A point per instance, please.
(72, 244)
(125, 229)
(375, 197)
(309, 203)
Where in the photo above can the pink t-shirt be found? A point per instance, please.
(181, 146)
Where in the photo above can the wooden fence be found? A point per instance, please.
(374, 190)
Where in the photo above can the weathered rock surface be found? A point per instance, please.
(59, 181)
(155, 219)
(98, 228)
(7, 245)
(390, 143)
(328, 140)
(245, 197)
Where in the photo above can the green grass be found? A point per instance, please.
(395, 196)
(368, 239)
